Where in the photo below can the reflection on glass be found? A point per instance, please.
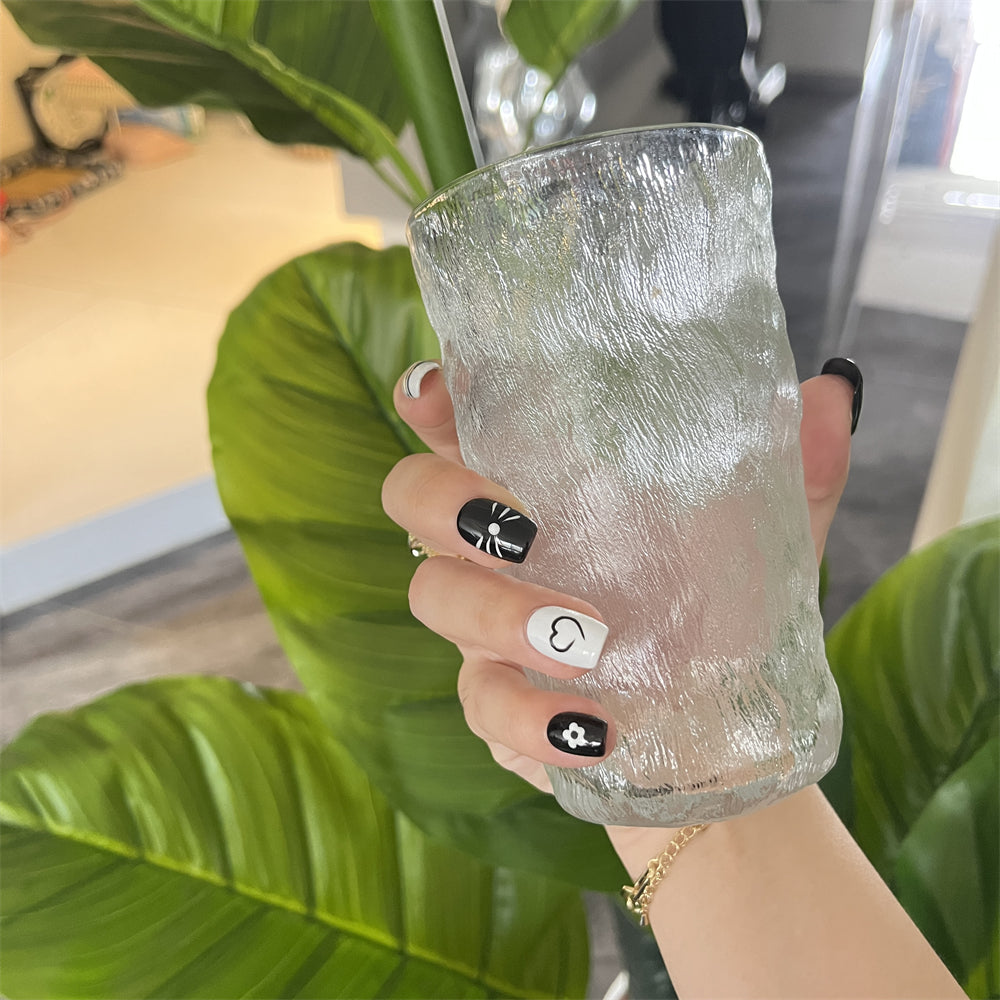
(516, 109)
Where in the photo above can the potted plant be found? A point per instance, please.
(200, 837)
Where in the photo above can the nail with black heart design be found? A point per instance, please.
(567, 636)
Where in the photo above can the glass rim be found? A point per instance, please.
(541, 152)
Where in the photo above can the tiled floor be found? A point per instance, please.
(196, 611)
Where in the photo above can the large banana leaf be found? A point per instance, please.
(195, 837)
(303, 433)
(302, 70)
(918, 665)
(550, 34)
(948, 871)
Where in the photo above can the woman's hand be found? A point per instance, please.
(776, 903)
(492, 618)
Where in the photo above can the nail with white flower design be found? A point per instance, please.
(496, 529)
(576, 733)
(567, 636)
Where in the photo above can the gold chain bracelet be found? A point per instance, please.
(639, 896)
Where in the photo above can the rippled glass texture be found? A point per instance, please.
(615, 347)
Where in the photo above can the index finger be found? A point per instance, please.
(421, 399)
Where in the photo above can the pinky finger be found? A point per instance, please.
(503, 707)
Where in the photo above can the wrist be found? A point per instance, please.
(637, 845)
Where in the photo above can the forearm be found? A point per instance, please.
(782, 903)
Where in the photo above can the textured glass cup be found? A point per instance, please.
(615, 348)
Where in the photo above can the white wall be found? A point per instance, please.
(111, 314)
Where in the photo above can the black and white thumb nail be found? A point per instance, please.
(415, 375)
(567, 636)
(496, 529)
(576, 733)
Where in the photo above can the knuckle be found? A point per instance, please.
(425, 591)
(405, 487)
(429, 482)
(513, 726)
(494, 708)
(487, 619)
(409, 463)
(393, 487)
(470, 697)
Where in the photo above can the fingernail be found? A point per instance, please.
(583, 735)
(567, 636)
(846, 368)
(415, 375)
(496, 529)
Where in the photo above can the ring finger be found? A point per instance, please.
(515, 621)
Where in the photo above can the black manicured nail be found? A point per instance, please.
(846, 368)
(496, 529)
(583, 735)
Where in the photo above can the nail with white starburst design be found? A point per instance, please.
(576, 733)
(567, 636)
(496, 529)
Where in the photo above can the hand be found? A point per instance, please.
(485, 613)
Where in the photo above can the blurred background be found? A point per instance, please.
(880, 123)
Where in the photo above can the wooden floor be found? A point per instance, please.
(195, 611)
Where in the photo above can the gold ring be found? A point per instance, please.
(417, 547)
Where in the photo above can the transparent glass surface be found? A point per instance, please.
(616, 351)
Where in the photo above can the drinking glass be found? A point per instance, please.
(615, 349)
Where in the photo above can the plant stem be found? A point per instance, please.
(413, 194)
(411, 30)
(456, 76)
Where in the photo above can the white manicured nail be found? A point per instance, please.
(415, 375)
(567, 636)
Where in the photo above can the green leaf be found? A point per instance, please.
(550, 34)
(304, 432)
(948, 870)
(196, 837)
(411, 30)
(301, 70)
(917, 660)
